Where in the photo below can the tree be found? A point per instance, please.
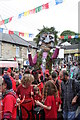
(71, 40)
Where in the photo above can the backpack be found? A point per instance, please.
(74, 89)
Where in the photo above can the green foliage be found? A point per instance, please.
(39, 60)
(37, 38)
(67, 32)
(49, 61)
(71, 40)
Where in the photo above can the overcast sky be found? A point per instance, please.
(63, 16)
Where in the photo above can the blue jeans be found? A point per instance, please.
(78, 117)
(69, 115)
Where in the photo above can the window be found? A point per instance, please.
(17, 51)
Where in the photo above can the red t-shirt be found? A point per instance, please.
(24, 91)
(13, 83)
(50, 114)
(37, 97)
(40, 86)
(8, 105)
(59, 79)
(58, 100)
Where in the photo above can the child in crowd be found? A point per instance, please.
(40, 83)
(58, 85)
(50, 108)
(37, 94)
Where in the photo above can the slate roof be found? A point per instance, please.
(73, 46)
(14, 39)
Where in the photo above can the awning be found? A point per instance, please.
(76, 55)
(8, 64)
(65, 44)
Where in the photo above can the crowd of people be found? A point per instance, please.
(27, 95)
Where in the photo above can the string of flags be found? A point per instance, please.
(69, 37)
(29, 35)
(32, 11)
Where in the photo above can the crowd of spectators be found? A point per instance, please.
(26, 94)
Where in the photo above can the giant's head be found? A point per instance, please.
(46, 42)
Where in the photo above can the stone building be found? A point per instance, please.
(72, 52)
(14, 48)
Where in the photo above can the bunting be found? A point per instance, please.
(58, 1)
(10, 32)
(6, 21)
(69, 37)
(33, 11)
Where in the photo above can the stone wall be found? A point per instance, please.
(8, 52)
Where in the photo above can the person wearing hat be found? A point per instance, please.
(12, 79)
(8, 99)
(5, 70)
(47, 75)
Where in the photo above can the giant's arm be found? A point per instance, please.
(56, 52)
(33, 61)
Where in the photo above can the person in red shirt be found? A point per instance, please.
(40, 84)
(8, 99)
(25, 90)
(58, 98)
(50, 108)
(12, 79)
(37, 94)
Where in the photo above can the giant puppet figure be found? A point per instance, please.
(45, 57)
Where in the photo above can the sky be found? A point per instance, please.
(63, 16)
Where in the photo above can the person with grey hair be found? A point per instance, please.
(69, 95)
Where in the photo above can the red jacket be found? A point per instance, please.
(9, 106)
